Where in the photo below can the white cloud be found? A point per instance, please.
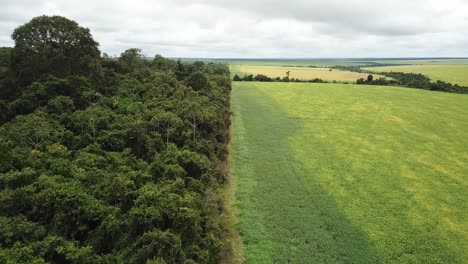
(261, 28)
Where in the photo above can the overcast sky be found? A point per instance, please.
(260, 28)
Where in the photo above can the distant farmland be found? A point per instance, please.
(335, 173)
(287, 62)
(455, 74)
(304, 73)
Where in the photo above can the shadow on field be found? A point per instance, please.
(282, 219)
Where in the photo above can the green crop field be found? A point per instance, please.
(455, 74)
(303, 73)
(334, 173)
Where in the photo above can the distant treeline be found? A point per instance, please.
(410, 80)
(264, 78)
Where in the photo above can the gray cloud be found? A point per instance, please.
(261, 28)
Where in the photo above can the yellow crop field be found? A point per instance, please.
(303, 73)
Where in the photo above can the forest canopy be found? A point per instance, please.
(108, 159)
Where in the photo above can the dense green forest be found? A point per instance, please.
(108, 160)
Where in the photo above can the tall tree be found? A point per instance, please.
(198, 81)
(198, 110)
(166, 122)
(132, 59)
(53, 45)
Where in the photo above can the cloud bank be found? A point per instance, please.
(261, 28)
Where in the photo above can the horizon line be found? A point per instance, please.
(322, 58)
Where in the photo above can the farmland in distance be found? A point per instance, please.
(304, 73)
(453, 73)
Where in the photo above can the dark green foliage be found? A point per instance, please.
(198, 81)
(412, 80)
(7, 80)
(132, 60)
(52, 46)
(5, 54)
(161, 245)
(264, 78)
(161, 63)
(116, 165)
